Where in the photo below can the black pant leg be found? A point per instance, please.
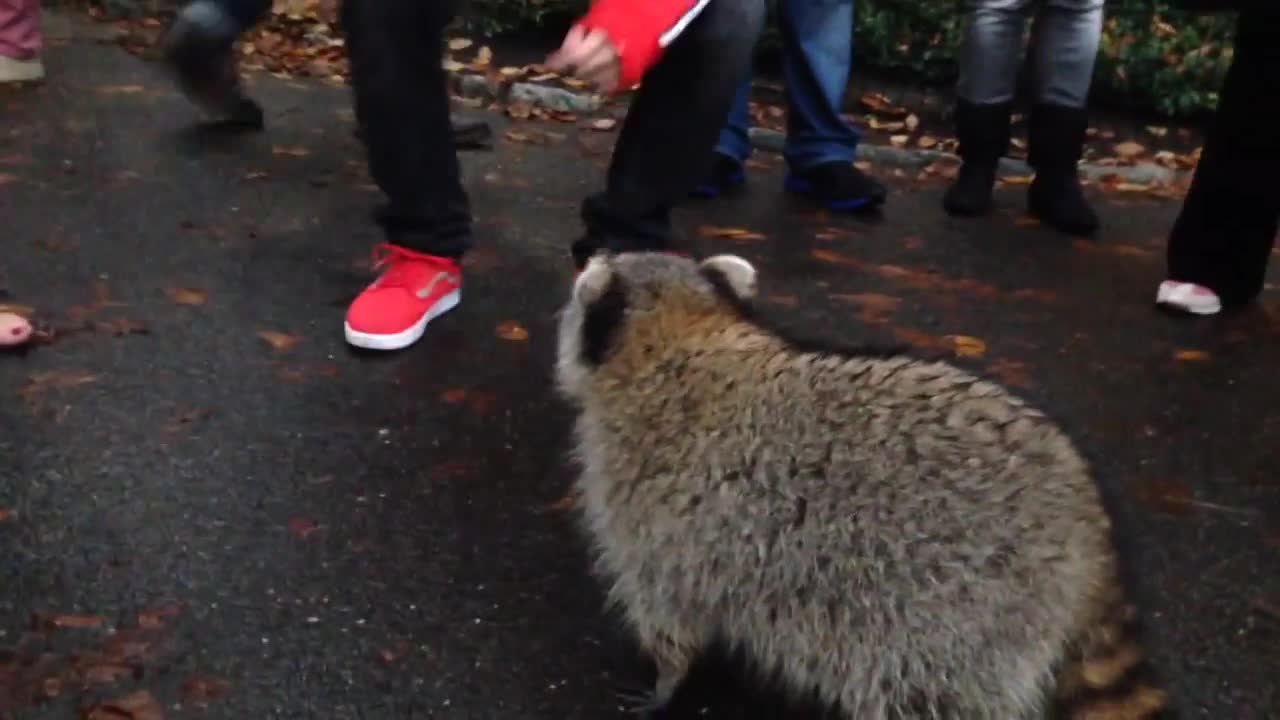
(402, 103)
(664, 147)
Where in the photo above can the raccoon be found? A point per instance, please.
(896, 534)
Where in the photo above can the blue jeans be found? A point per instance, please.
(817, 51)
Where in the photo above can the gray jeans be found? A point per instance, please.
(1064, 43)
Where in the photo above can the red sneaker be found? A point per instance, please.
(413, 290)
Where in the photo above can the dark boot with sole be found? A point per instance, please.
(983, 131)
(198, 48)
(1055, 144)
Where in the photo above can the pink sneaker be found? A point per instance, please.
(1188, 297)
(414, 289)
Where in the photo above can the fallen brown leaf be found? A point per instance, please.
(302, 527)
(395, 652)
(566, 503)
(37, 383)
(120, 327)
(899, 141)
(1166, 496)
(729, 233)
(873, 308)
(927, 142)
(966, 346)
(1011, 373)
(140, 705)
(278, 340)
(453, 396)
(6, 178)
(6, 514)
(154, 618)
(1191, 356)
(120, 89)
(106, 673)
(200, 690)
(280, 150)
(482, 403)
(459, 43)
(1129, 150)
(878, 103)
(187, 296)
(75, 621)
(604, 124)
(892, 126)
(512, 331)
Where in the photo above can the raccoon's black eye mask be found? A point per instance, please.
(601, 321)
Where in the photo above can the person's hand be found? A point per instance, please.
(588, 56)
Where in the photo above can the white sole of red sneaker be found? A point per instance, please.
(401, 340)
(1184, 297)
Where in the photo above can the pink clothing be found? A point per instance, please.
(20, 37)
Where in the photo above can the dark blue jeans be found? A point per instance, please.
(817, 52)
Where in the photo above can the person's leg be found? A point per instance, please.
(402, 102)
(675, 117)
(199, 47)
(989, 62)
(1066, 42)
(733, 148)
(20, 41)
(817, 54)
(1224, 235)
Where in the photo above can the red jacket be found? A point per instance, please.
(640, 30)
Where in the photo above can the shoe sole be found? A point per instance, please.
(1165, 299)
(405, 338)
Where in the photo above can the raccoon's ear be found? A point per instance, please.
(593, 281)
(734, 272)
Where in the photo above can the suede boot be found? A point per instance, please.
(983, 131)
(1056, 141)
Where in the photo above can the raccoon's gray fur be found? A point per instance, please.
(903, 537)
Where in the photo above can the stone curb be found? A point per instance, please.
(475, 86)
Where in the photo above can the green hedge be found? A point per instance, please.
(1152, 57)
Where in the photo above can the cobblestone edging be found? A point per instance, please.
(477, 86)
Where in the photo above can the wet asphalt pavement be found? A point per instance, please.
(210, 507)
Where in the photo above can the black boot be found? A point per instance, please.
(983, 131)
(198, 47)
(1055, 143)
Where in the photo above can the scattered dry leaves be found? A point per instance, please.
(511, 331)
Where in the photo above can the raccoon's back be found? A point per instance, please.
(905, 508)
